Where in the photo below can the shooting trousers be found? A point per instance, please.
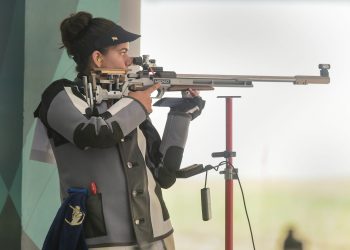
(164, 244)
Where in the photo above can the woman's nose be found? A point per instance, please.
(128, 60)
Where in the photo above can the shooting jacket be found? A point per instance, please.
(118, 148)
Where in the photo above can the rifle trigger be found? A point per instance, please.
(160, 93)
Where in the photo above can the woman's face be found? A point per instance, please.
(116, 57)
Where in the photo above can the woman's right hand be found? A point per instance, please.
(144, 96)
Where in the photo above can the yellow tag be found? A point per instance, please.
(77, 216)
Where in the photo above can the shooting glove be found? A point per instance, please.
(189, 105)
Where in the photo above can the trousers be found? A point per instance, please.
(164, 244)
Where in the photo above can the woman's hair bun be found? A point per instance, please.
(72, 28)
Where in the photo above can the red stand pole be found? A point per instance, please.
(229, 182)
(230, 175)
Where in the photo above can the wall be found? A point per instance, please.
(30, 59)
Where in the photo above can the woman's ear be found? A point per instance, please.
(97, 58)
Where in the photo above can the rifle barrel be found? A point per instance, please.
(246, 80)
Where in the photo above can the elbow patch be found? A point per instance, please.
(171, 163)
(172, 158)
(166, 178)
(87, 137)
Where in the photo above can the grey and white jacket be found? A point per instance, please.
(119, 150)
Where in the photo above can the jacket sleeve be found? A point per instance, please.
(66, 113)
(172, 147)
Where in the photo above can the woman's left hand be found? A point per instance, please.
(193, 92)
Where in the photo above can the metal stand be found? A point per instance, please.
(230, 175)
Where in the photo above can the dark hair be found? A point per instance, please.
(76, 31)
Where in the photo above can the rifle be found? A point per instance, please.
(106, 84)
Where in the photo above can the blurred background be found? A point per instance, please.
(292, 142)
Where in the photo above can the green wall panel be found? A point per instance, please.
(44, 63)
(3, 193)
(11, 112)
(42, 53)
